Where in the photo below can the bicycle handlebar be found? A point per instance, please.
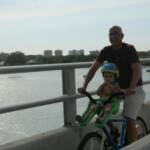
(121, 94)
(90, 97)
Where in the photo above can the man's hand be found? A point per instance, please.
(130, 91)
(81, 90)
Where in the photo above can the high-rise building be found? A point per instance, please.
(76, 52)
(80, 52)
(58, 52)
(94, 53)
(48, 53)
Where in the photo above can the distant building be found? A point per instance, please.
(80, 52)
(76, 52)
(3, 56)
(72, 52)
(58, 52)
(48, 53)
(94, 53)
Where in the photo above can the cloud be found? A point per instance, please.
(28, 9)
(37, 24)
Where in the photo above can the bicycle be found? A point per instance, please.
(102, 139)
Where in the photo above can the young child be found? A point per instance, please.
(110, 86)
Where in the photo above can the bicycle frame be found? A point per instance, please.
(123, 122)
(105, 133)
(122, 136)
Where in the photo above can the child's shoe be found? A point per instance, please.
(79, 118)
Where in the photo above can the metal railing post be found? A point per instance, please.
(68, 83)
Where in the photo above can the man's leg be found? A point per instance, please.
(132, 105)
(131, 131)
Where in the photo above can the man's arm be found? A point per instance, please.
(136, 68)
(89, 76)
(100, 89)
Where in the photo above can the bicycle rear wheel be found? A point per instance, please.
(91, 141)
(141, 127)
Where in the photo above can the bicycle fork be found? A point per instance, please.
(122, 137)
(110, 140)
(123, 133)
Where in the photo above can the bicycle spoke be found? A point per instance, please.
(93, 141)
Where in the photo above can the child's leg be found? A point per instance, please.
(90, 113)
(101, 120)
(87, 111)
(87, 115)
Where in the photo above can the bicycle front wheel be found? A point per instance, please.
(141, 127)
(91, 141)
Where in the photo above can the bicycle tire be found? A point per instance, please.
(86, 144)
(141, 128)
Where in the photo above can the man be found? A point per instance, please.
(126, 58)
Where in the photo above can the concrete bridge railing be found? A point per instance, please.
(68, 136)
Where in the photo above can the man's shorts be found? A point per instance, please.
(133, 103)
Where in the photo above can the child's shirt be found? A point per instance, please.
(105, 91)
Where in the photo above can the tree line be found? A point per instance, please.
(19, 58)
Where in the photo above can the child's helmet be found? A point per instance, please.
(110, 67)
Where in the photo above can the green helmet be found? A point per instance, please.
(110, 67)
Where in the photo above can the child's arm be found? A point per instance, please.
(116, 88)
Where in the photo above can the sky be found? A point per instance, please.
(32, 26)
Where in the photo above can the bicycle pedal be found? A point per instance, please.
(115, 136)
(116, 139)
(107, 144)
(110, 147)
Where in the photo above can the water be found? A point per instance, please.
(27, 87)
